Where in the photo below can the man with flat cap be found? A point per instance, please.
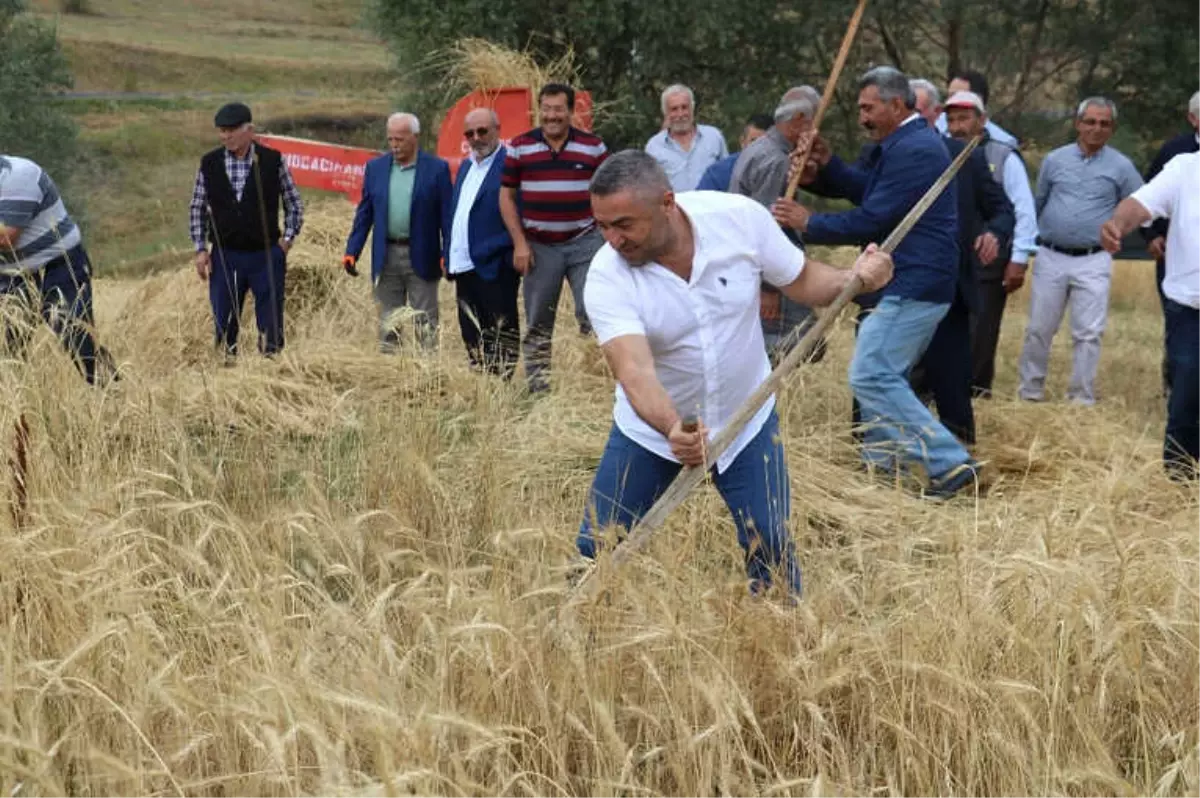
(235, 208)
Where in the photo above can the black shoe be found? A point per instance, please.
(954, 481)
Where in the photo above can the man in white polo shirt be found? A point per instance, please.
(1174, 194)
(674, 299)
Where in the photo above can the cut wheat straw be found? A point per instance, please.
(473, 64)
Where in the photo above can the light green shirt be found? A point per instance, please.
(400, 191)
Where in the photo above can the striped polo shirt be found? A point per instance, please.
(554, 200)
(29, 201)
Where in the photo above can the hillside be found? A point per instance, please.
(149, 75)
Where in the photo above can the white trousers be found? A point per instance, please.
(1080, 282)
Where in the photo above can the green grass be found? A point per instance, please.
(139, 163)
(300, 65)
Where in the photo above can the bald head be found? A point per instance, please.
(481, 128)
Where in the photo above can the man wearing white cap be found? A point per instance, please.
(966, 117)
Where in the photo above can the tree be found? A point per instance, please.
(738, 63)
(1041, 56)
(32, 67)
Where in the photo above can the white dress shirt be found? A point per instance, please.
(1175, 194)
(704, 334)
(460, 245)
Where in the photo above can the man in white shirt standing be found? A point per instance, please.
(683, 148)
(674, 299)
(479, 252)
(1174, 194)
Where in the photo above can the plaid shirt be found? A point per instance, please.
(238, 170)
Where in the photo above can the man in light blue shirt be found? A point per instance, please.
(975, 82)
(683, 148)
(1078, 188)
(966, 116)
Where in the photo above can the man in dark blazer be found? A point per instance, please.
(1156, 233)
(986, 220)
(406, 200)
(907, 159)
(479, 252)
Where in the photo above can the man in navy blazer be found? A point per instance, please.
(406, 200)
(479, 252)
(907, 159)
(1156, 233)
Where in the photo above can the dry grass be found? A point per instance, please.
(341, 573)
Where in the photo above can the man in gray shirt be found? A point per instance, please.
(1078, 188)
(761, 173)
(683, 148)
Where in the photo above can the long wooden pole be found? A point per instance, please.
(827, 97)
(691, 476)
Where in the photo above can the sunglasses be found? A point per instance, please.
(477, 132)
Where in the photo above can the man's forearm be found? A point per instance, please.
(511, 216)
(650, 400)
(818, 285)
(1129, 215)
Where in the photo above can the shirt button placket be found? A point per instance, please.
(709, 357)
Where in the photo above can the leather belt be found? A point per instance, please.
(401, 242)
(1075, 251)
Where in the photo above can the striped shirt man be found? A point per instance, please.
(30, 202)
(553, 186)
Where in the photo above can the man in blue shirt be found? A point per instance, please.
(1078, 188)
(718, 176)
(907, 159)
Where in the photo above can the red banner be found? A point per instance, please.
(315, 164)
(330, 167)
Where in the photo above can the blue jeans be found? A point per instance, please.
(890, 341)
(234, 273)
(1182, 446)
(755, 488)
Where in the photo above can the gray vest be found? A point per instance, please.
(995, 152)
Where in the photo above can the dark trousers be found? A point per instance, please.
(944, 372)
(1160, 271)
(62, 292)
(487, 316)
(984, 335)
(233, 274)
(1181, 449)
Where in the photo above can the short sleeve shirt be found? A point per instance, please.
(1175, 194)
(704, 333)
(30, 201)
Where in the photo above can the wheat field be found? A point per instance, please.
(345, 573)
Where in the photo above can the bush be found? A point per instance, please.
(32, 70)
